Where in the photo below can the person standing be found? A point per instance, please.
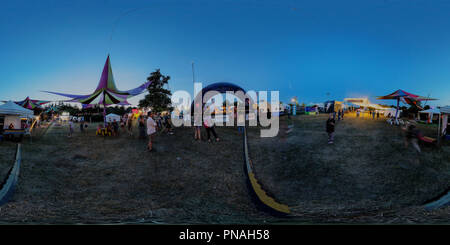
(70, 128)
(330, 129)
(209, 126)
(141, 127)
(130, 125)
(151, 130)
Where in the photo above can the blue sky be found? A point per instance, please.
(301, 48)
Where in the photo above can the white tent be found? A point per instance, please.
(13, 113)
(364, 102)
(430, 113)
(111, 117)
(11, 108)
(445, 111)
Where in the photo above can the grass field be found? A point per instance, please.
(366, 176)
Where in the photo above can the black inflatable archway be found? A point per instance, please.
(258, 194)
(222, 88)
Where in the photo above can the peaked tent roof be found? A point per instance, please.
(31, 104)
(11, 108)
(106, 92)
(408, 98)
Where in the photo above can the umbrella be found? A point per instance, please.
(106, 92)
(408, 98)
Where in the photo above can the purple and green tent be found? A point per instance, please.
(106, 93)
(30, 104)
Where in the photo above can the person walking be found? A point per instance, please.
(151, 130)
(412, 136)
(330, 129)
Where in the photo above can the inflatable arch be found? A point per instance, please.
(259, 195)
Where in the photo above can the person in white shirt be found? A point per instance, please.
(151, 130)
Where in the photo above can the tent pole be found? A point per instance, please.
(396, 112)
(439, 130)
(104, 114)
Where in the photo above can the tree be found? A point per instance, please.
(158, 98)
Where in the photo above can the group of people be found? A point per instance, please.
(209, 127)
(163, 122)
(373, 114)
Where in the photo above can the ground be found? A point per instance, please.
(366, 176)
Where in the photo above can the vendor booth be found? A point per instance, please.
(13, 119)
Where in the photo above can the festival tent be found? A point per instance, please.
(106, 93)
(408, 98)
(430, 112)
(445, 111)
(364, 102)
(31, 104)
(111, 117)
(13, 114)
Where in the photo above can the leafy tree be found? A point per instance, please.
(158, 98)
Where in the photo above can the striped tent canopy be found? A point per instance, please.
(31, 104)
(408, 98)
(106, 92)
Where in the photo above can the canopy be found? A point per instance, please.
(445, 110)
(364, 102)
(408, 98)
(11, 108)
(431, 111)
(31, 104)
(106, 92)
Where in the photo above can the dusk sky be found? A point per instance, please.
(300, 48)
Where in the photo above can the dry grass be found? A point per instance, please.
(366, 173)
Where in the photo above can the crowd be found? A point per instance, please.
(147, 125)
